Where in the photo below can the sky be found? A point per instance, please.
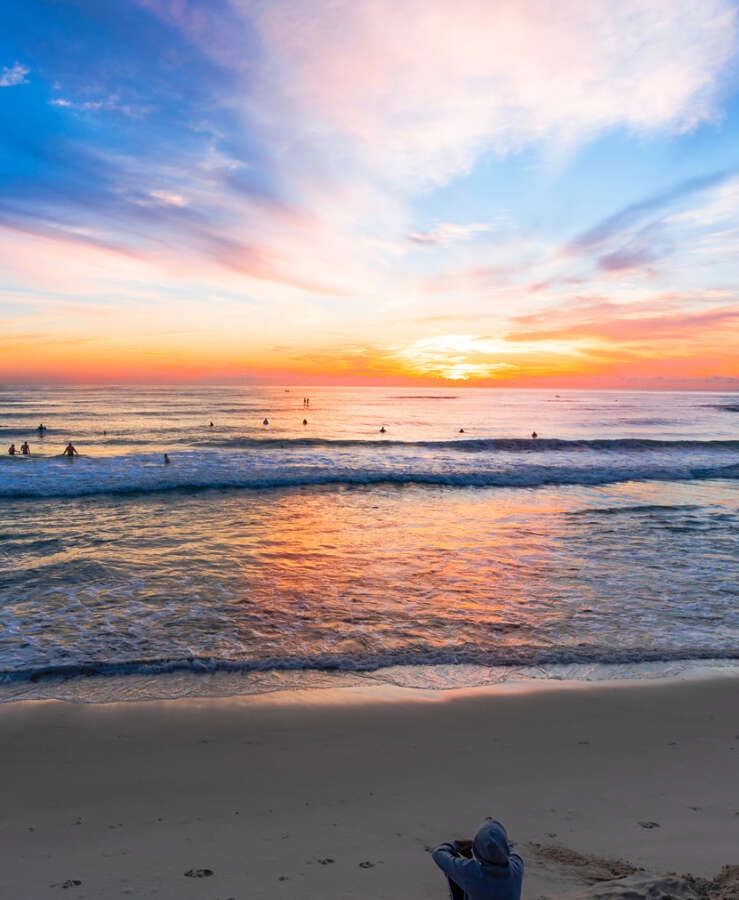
(523, 193)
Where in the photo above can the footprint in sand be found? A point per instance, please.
(650, 824)
(325, 862)
(198, 873)
(72, 882)
(366, 864)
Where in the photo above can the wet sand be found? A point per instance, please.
(340, 794)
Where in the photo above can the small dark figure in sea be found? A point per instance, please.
(166, 460)
(11, 450)
(42, 428)
(305, 421)
(485, 868)
(265, 421)
(211, 424)
(70, 450)
(461, 430)
(382, 430)
(25, 449)
(534, 435)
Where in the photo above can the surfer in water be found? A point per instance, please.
(70, 450)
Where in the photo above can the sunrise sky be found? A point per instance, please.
(518, 193)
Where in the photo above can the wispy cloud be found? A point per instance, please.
(417, 91)
(444, 233)
(168, 198)
(625, 219)
(650, 324)
(638, 251)
(12, 75)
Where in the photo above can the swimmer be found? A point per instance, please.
(211, 425)
(382, 430)
(70, 450)
(265, 421)
(305, 421)
(42, 428)
(25, 449)
(166, 460)
(534, 435)
(461, 430)
(11, 450)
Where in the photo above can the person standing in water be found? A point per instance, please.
(25, 449)
(70, 450)
(11, 450)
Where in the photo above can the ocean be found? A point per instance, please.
(452, 549)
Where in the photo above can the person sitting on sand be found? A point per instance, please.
(485, 868)
(25, 449)
(11, 450)
(69, 450)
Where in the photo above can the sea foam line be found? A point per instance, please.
(130, 479)
(511, 659)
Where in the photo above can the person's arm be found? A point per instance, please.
(448, 858)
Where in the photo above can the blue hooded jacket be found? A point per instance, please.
(493, 873)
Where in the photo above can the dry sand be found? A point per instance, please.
(340, 794)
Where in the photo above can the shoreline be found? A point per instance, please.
(128, 796)
(411, 680)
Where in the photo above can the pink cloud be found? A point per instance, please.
(419, 89)
(658, 321)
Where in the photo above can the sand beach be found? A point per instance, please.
(340, 794)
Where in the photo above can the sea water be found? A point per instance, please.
(451, 549)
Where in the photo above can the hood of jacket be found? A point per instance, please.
(490, 844)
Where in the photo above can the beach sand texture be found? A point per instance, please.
(341, 794)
